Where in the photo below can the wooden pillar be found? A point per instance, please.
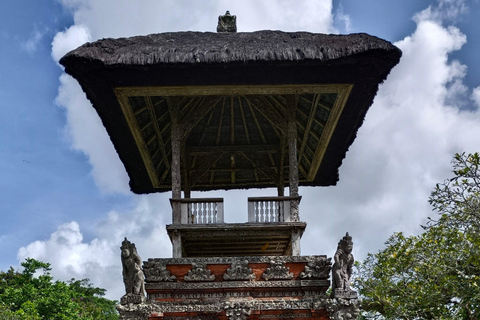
(185, 171)
(176, 132)
(292, 154)
(281, 178)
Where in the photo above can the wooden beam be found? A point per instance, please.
(203, 165)
(191, 119)
(158, 132)
(258, 148)
(259, 164)
(265, 108)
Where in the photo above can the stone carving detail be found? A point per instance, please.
(342, 309)
(230, 260)
(239, 270)
(133, 277)
(227, 23)
(318, 269)
(238, 284)
(156, 271)
(277, 271)
(342, 269)
(199, 272)
(237, 310)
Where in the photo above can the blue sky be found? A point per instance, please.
(64, 194)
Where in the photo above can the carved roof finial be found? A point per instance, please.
(227, 23)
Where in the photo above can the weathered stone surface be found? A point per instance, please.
(277, 271)
(239, 270)
(133, 277)
(317, 269)
(342, 269)
(227, 23)
(199, 272)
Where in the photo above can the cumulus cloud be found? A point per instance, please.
(444, 11)
(404, 147)
(99, 259)
(68, 40)
(86, 134)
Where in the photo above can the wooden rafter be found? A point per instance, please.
(197, 113)
(158, 132)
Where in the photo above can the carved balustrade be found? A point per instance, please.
(201, 210)
(271, 209)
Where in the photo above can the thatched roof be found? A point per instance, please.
(144, 71)
(207, 47)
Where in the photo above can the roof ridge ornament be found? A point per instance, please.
(227, 23)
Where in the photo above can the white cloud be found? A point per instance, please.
(99, 259)
(67, 40)
(444, 11)
(404, 147)
(87, 134)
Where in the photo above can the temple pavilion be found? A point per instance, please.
(201, 111)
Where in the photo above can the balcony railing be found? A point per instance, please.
(201, 210)
(260, 209)
(271, 209)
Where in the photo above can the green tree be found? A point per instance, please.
(23, 295)
(435, 275)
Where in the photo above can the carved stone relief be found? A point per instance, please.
(227, 23)
(199, 272)
(237, 310)
(239, 270)
(156, 271)
(317, 269)
(277, 271)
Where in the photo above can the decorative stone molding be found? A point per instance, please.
(239, 270)
(277, 271)
(237, 294)
(237, 310)
(317, 269)
(238, 284)
(231, 260)
(156, 271)
(199, 272)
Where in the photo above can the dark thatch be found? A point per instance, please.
(207, 47)
(221, 59)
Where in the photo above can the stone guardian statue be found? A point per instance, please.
(342, 269)
(133, 277)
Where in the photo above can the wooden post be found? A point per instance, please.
(176, 132)
(292, 154)
(281, 178)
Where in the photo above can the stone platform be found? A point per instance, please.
(239, 288)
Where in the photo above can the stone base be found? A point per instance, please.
(239, 288)
(244, 309)
(344, 294)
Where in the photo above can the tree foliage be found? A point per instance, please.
(435, 275)
(23, 295)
